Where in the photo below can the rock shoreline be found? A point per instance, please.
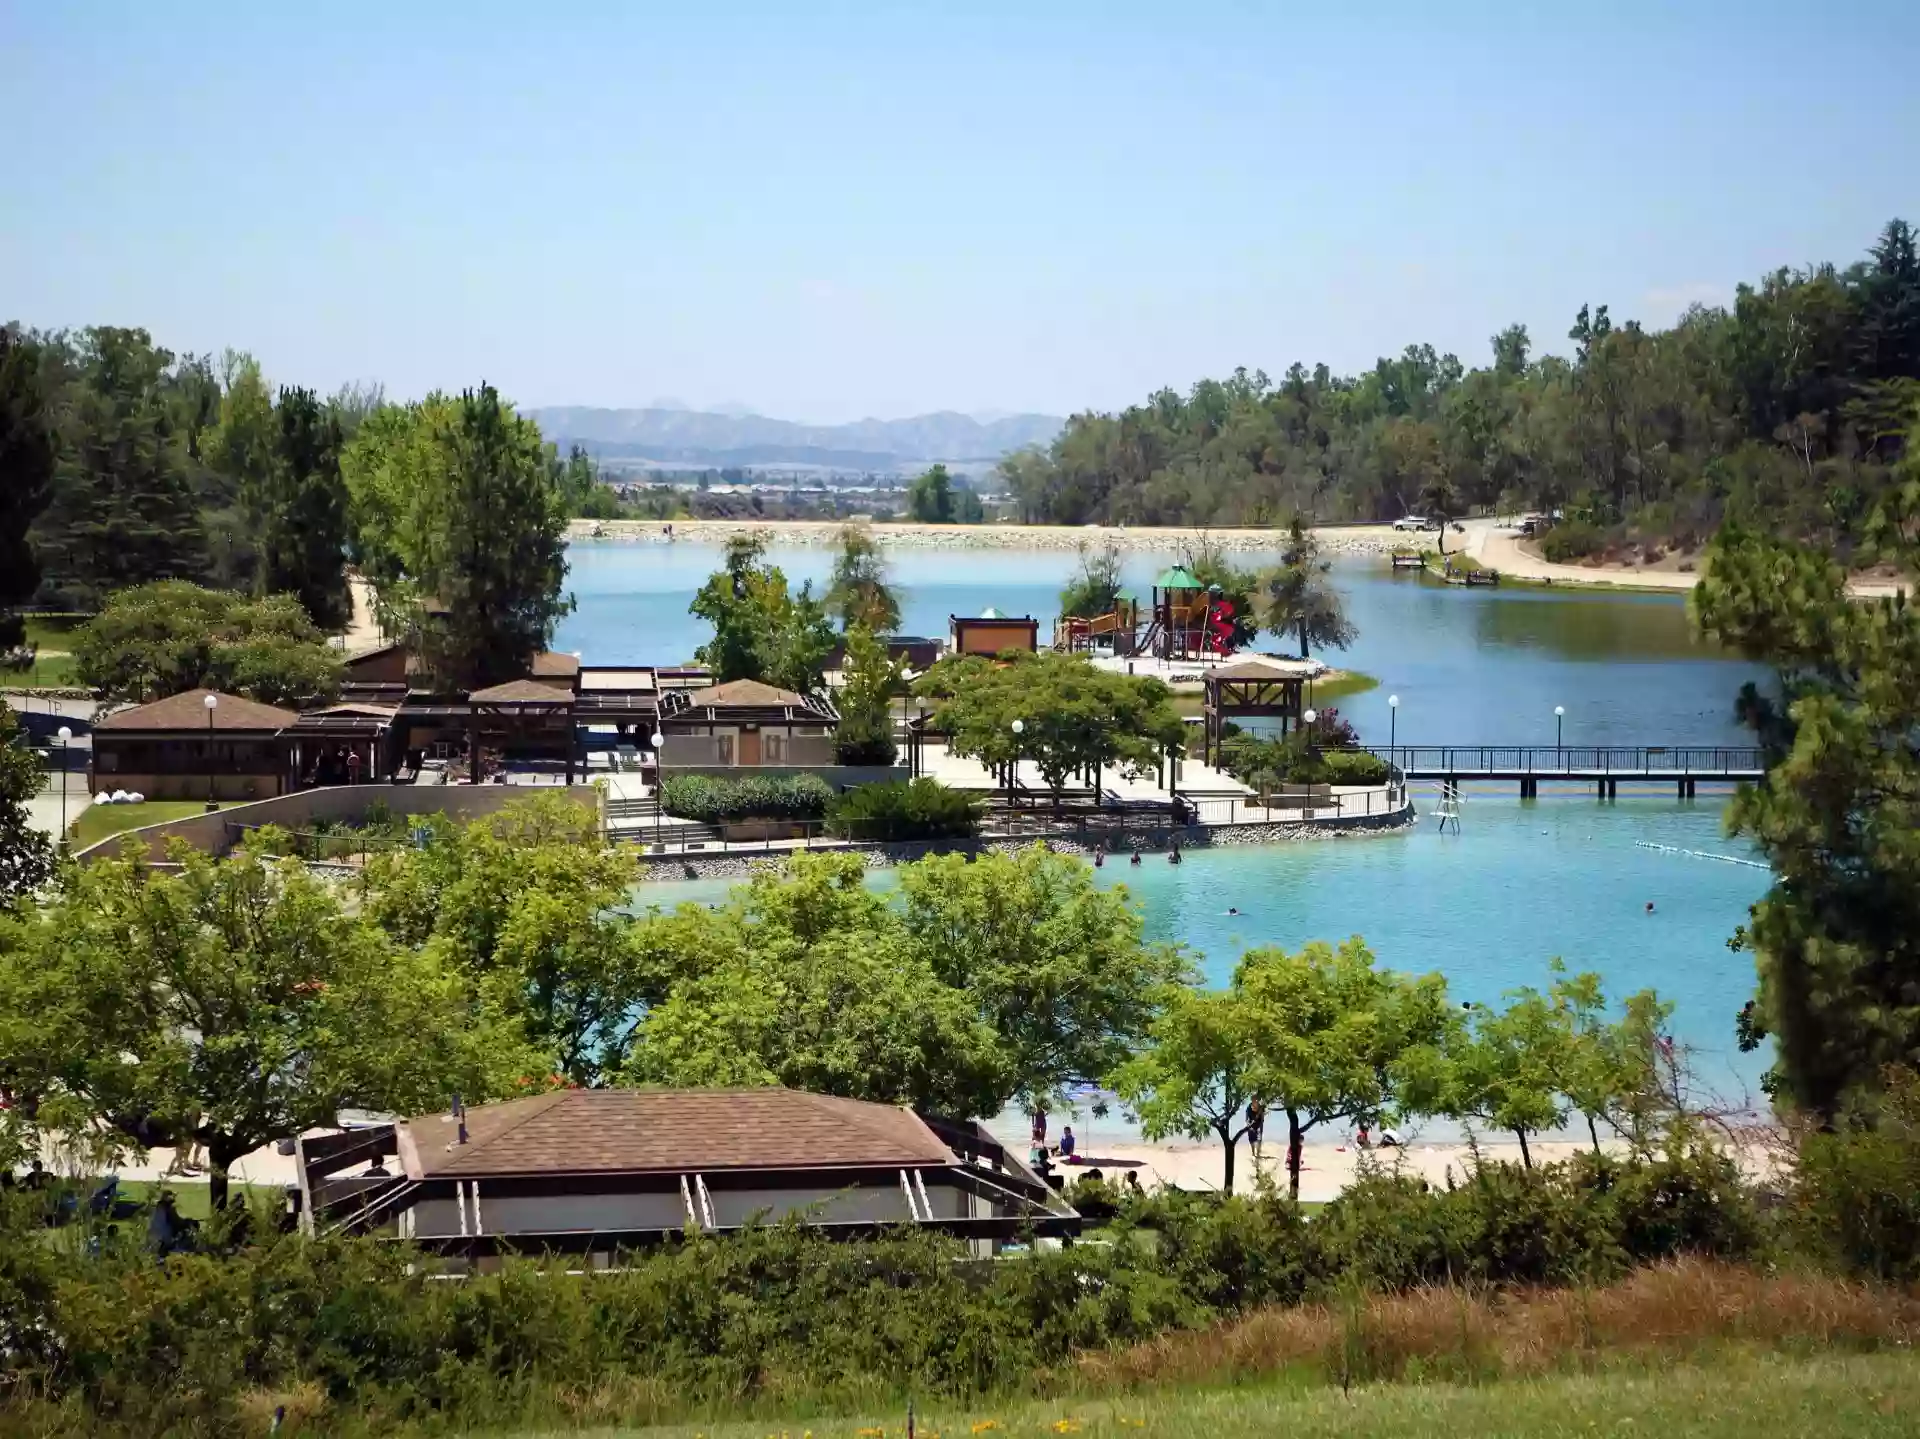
(1335, 539)
(676, 868)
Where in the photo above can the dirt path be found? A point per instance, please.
(1499, 547)
(363, 630)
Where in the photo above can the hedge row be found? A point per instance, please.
(904, 809)
(111, 1341)
(710, 799)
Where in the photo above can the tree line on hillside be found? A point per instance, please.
(123, 465)
(1784, 410)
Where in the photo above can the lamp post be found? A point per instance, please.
(1019, 728)
(1559, 720)
(212, 703)
(657, 742)
(63, 735)
(1393, 721)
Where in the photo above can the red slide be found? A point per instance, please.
(1220, 627)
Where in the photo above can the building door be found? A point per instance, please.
(750, 746)
(724, 744)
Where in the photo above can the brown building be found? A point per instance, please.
(992, 632)
(182, 748)
(745, 723)
(598, 1170)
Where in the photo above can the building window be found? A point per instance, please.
(776, 746)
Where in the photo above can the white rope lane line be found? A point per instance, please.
(1702, 854)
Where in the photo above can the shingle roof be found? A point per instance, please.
(521, 692)
(553, 664)
(629, 1131)
(188, 711)
(744, 694)
(1263, 667)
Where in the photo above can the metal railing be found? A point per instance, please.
(1034, 818)
(1580, 761)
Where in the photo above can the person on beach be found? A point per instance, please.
(1067, 1143)
(1256, 1119)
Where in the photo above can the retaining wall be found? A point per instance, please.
(719, 865)
(209, 832)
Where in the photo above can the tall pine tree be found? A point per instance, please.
(123, 510)
(26, 480)
(303, 542)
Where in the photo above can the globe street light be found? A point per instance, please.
(1019, 727)
(657, 743)
(1393, 720)
(63, 735)
(1559, 719)
(213, 703)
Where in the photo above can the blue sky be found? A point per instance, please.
(835, 210)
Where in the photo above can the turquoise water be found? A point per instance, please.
(1520, 884)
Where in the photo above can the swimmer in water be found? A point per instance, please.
(1649, 906)
(1231, 909)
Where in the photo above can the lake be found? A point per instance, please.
(1471, 666)
(1561, 876)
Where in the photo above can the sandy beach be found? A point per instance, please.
(1331, 1162)
(1336, 539)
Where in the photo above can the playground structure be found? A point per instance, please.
(1184, 621)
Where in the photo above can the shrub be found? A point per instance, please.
(1353, 766)
(1857, 1197)
(1572, 540)
(857, 743)
(710, 799)
(904, 809)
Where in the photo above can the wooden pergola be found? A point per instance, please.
(525, 713)
(1254, 688)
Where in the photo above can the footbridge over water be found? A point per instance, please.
(1605, 767)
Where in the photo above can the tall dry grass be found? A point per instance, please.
(1461, 1333)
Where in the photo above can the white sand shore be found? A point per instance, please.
(1330, 1163)
(1337, 539)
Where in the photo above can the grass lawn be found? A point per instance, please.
(99, 821)
(1342, 684)
(1741, 1395)
(52, 635)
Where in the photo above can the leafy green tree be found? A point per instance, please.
(761, 630)
(1095, 587)
(1297, 598)
(1836, 939)
(1196, 1074)
(1508, 1067)
(872, 678)
(123, 511)
(162, 638)
(530, 905)
(1332, 1039)
(26, 858)
(26, 484)
(1056, 966)
(1074, 718)
(930, 497)
(857, 1014)
(860, 594)
(232, 1004)
(458, 519)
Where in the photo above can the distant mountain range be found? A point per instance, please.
(668, 434)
